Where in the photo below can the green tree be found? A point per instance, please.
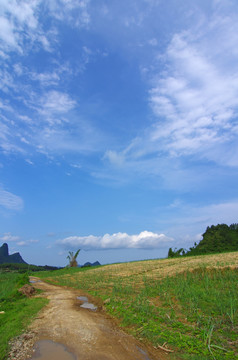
(175, 252)
(72, 258)
(170, 253)
(217, 239)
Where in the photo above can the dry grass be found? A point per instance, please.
(166, 267)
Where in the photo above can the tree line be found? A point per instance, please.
(21, 268)
(216, 239)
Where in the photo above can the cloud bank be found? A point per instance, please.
(144, 240)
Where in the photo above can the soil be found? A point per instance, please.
(27, 290)
(87, 334)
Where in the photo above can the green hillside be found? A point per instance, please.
(217, 239)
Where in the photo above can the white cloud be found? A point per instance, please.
(144, 240)
(196, 98)
(53, 127)
(21, 25)
(7, 35)
(18, 22)
(18, 69)
(7, 143)
(6, 80)
(194, 102)
(55, 102)
(27, 242)
(23, 12)
(184, 229)
(115, 158)
(25, 119)
(46, 79)
(29, 162)
(76, 166)
(21, 243)
(9, 237)
(10, 201)
(74, 12)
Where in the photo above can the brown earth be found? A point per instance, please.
(27, 290)
(90, 335)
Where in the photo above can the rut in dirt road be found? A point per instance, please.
(87, 334)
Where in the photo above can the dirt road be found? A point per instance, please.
(88, 334)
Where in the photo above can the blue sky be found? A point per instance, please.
(118, 126)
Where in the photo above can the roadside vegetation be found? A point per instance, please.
(16, 310)
(188, 305)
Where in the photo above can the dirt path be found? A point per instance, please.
(87, 334)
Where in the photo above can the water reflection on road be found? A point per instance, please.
(49, 350)
(86, 304)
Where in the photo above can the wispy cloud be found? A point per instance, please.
(144, 240)
(27, 242)
(187, 222)
(37, 116)
(19, 23)
(9, 237)
(54, 127)
(221, 212)
(193, 92)
(21, 26)
(74, 12)
(194, 102)
(47, 78)
(197, 99)
(55, 102)
(10, 201)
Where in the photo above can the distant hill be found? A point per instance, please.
(10, 259)
(88, 264)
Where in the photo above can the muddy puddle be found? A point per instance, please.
(49, 350)
(86, 304)
(144, 353)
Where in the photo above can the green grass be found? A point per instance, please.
(18, 310)
(195, 313)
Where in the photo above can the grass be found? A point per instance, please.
(18, 310)
(191, 304)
